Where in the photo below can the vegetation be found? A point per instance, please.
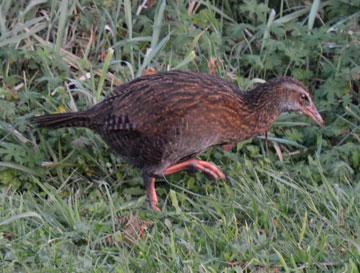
(68, 205)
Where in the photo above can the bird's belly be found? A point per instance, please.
(135, 148)
(153, 154)
(187, 146)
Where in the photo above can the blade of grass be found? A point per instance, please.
(285, 181)
(74, 60)
(283, 141)
(128, 19)
(175, 201)
(154, 46)
(216, 10)
(353, 112)
(18, 167)
(19, 27)
(32, 4)
(290, 123)
(16, 217)
(189, 58)
(313, 12)
(282, 261)
(111, 205)
(104, 72)
(267, 29)
(3, 28)
(5, 41)
(281, 8)
(159, 16)
(61, 25)
(151, 53)
(66, 208)
(292, 16)
(11, 130)
(303, 228)
(343, 21)
(135, 40)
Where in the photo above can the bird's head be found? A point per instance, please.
(294, 97)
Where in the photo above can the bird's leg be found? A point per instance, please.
(228, 147)
(210, 170)
(151, 193)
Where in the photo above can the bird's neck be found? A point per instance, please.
(264, 107)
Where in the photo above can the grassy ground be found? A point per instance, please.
(68, 205)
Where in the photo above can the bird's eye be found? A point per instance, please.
(304, 99)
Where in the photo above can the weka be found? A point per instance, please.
(159, 123)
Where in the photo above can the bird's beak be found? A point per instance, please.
(313, 113)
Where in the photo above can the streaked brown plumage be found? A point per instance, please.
(158, 121)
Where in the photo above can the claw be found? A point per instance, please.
(207, 168)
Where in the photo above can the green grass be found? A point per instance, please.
(65, 200)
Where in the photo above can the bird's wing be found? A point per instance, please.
(154, 104)
(119, 123)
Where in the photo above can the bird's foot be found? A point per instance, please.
(155, 208)
(210, 170)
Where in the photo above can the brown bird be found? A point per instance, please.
(159, 123)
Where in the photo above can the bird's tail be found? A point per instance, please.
(54, 121)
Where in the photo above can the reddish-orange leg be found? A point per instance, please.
(210, 170)
(151, 193)
(228, 147)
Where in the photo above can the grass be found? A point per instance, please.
(68, 205)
